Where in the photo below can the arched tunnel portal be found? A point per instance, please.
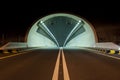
(61, 30)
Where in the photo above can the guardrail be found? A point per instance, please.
(106, 50)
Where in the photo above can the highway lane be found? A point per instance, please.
(84, 65)
(76, 64)
(35, 65)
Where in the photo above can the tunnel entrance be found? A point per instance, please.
(61, 30)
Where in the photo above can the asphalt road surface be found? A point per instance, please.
(35, 65)
(62, 65)
(84, 65)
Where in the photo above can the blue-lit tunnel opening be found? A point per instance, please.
(61, 30)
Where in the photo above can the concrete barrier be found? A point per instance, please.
(15, 50)
(106, 51)
(6, 51)
(111, 51)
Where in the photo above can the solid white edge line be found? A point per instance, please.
(104, 54)
(56, 69)
(65, 70)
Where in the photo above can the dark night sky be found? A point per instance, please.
(17, 18)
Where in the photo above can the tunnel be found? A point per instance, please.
(61, 30)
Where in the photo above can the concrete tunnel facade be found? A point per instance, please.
(61, 30)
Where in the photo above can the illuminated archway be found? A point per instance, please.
(61, 30)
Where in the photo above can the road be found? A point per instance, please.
(43, 65)
(35, 65)
(84, 65)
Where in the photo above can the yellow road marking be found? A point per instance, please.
(65, 70)
(56, 70)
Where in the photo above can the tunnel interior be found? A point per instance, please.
(59, 30)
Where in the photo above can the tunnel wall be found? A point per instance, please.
(37, 40)
(86, 39)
